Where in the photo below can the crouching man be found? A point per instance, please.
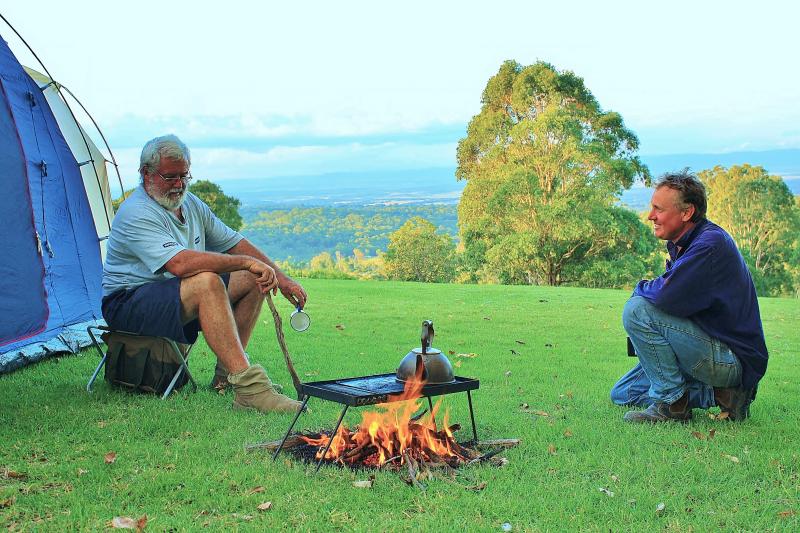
(173, 268)
(696, 329)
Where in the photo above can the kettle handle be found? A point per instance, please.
(427, 334)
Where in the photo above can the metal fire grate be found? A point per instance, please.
(370, 390)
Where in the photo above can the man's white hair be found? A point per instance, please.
(166, 146)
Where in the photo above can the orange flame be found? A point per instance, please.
(390, 433)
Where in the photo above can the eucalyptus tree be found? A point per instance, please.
(544, 166)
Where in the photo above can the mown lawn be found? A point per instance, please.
(182, 463)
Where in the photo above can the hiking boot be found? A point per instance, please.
(662, 412)
(733, 401)
(221, 384)
(254, 391)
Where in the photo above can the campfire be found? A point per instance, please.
(393, 434)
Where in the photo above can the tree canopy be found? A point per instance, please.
(417, 253)
(762, 216)
(544, 166)
(225, 207)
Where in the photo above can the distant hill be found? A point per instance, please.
(439, 186)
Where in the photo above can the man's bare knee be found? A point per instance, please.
(243, 283)
(203, 281)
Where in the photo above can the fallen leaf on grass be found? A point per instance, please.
(363, 484)
(711, 433)
(660, 508)
(514, 352)
(519, 341)
(698, 435)
(339, 327)
(8, 502)
(256, 490)
(81, 472)
(10, 474)
(266, 506)
(467, 355)
(109, 458)
(541, 413)
(731, 458)
(101, 424)
(457, 364)
(479, 487)
(615, 478)
(451, 352)
(551, 449)
(567, 433)
(242, 516)
(487, 318)
(125, 522)
(787, 514)
(312, 374)
(609, 493)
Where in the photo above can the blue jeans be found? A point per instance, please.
(675, 356)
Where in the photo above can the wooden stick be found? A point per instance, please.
(292, 442)
(282, 342)
(502, 443)
(485, 457)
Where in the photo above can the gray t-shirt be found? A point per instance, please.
(144, 236)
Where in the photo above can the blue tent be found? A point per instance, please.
(50, 254)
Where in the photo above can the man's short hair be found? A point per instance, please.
(691, 191)
(166, 146)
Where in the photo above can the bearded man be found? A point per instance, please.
(173, 268)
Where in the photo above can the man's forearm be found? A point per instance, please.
(190, 262)
(245, 247)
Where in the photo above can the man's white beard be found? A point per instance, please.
(164, 200)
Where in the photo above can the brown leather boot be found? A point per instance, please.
(662, 412)
(733, 401)
(253, 391)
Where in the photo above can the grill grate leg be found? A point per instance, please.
(288, 431)
(472, 417)
(330, 441)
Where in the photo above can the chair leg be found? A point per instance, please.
(183, 368)
(96, 371)
(103, 357)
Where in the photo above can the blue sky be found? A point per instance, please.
(263, 89)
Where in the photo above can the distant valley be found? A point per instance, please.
(297, 217)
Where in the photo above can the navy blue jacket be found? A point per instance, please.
(708, 282)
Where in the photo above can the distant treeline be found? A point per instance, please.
(298, 234)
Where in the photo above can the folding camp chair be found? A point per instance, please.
(179, 358)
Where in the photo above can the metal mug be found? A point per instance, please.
(299, 319)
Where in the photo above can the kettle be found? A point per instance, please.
(435, 367)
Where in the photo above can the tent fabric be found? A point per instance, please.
(50, 259)
(91, 160)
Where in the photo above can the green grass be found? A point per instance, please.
(182, 463)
